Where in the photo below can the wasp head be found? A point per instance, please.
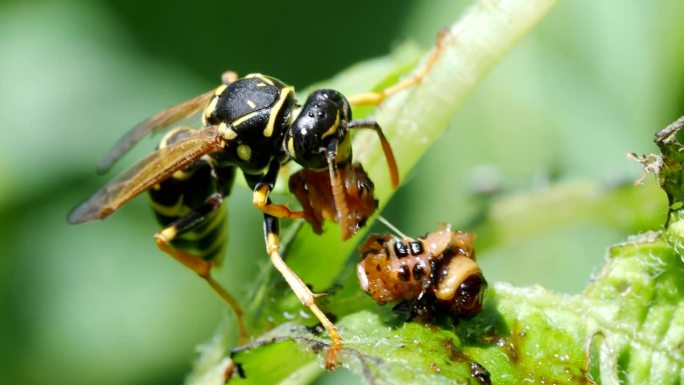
(320, 130)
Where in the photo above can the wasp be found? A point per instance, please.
(253, 124)
(435, 272)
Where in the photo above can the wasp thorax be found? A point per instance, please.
(320, 126)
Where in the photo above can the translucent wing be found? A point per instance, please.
(159, 121)
(153, 169)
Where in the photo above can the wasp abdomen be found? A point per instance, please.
(186, 191)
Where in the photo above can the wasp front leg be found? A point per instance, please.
(305, 295)
(375, 98)
(200, 266)
(262, 187)
(229, 77)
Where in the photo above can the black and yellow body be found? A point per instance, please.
(253, 114)
(187, 191)
(253, 124)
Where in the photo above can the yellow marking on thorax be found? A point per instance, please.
(211, 107)
(268, 131)
(227, 132)
(245, 118)
(251, 104)
(334, 126)
(260, 77)
(219, 90)
(244, 152)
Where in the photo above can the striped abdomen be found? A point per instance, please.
(185, 191)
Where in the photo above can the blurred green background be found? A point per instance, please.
(97, 303)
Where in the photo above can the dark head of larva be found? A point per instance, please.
(470, 295)
(319, 128)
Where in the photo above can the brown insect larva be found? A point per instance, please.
(434, 272)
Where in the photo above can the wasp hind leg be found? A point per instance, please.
(375, 98)
(201, 267)
(305, 295)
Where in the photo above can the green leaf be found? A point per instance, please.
(631, 316)
(383, 351)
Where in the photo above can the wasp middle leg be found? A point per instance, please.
(272, 239)
(262, 187)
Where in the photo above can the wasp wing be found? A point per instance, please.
(158, 122)
(153, 169)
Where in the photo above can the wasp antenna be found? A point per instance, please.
(386, 148)
(392, 227)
